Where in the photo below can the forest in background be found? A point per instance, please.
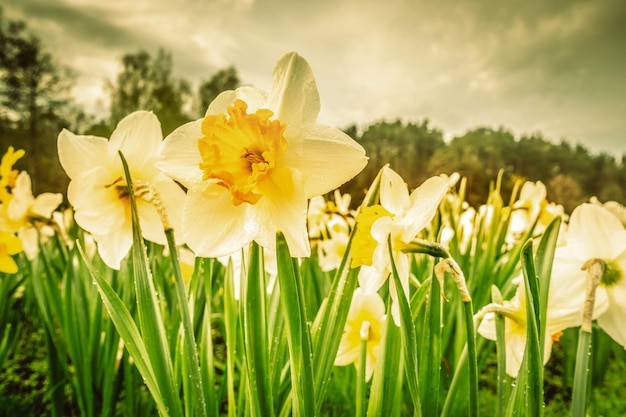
(35, 104)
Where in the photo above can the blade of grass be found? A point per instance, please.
(407, 331)
(150, 317)
(331, 317)
(192, 363)
(430, 372)
(298, 337)
(129, 332)
(386, 385)
(255, 337)
(527, 395)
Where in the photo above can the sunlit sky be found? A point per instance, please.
(557, 67)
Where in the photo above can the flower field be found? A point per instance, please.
(220, 271)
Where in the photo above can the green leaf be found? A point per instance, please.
(527, 396)
(298, 337)
(387, 382)
(544, 259)
(150, 318)
(190, 354)
(129, 332)
(407, 330)
(255, 337)
(581, 375)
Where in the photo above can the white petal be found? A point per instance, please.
(515, 343)
(179, 157)
(568, 288)
(30, 241)
(23, 187)
(370, 279)
(594, 232)
(294, 98)
(173, 198)
(424, 203)
(138, 136)
(282, 209)
(326, 158)
(152, 227)
(98, 208)
(78, 154)
(612, 321)
(115, 245)
(212, 225)
(254, 98)
(487, 327)
(394, 194)
(46, 203)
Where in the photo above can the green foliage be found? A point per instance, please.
(225, 79)
(34, 102)
(407, 147)
(417, 151)
(146, 83)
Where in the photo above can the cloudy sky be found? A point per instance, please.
(557, 67)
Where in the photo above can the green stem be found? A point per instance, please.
(473, 367)
(581, 374)
(298, 336)
(255, 337)
(361, 380)
(189, 342)
(503, 379)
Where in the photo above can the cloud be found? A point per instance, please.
(554, 66)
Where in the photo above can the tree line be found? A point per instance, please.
(35, 104)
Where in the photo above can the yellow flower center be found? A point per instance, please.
(240, 150)
(120, 187)
(613, 273)
(364, 244)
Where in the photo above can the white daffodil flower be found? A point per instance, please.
(366, 320)
(400, 217)
(614, 207)
(98, 189)
(597, 234)
(564, 310)
(532, 206)
(254, 160)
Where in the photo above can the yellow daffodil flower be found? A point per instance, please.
(8, 175)
(26, 215)
(9, 245)
(98, 189)
(400, 217)
(253, 161)
(366, 320)
(597, 234)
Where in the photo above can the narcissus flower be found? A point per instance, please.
(399, 217)
(614, 207)
(253, 161)
(366, 320)
(595, 234)
(98, 189)
(532, 207)
(8, 175)
(25, 215)
(9, 245)
(564, 310)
